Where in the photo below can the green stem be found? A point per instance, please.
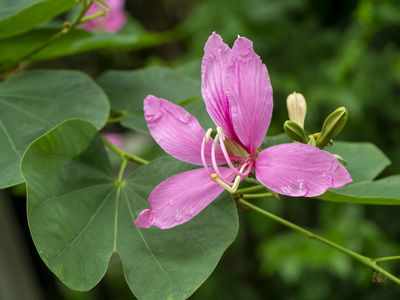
(386, 258)
(363, 259)
(91, 17)
(122, 169)
(68, 27)
(114, 120)
(261, 195)
(124, 155)
(249, 189)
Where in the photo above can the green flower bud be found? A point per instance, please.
(297, 108)
(295, 132)
(342, 161)
(103, 5)
(333, 125)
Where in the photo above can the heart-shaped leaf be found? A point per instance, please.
(79, 215)
(365, 162)
(34, 102)
(18, 16)
(384, 191)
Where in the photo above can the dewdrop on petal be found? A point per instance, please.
(297, 108)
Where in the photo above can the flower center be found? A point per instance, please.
(245, 161)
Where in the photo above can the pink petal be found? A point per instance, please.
(249, 91)
(115, 21)
(177, 131)
(112, 21)
(299, 170)
(215, 59)
(116, 4)
(181, 197)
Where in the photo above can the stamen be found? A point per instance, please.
(206, 138)
(250, 166)
(221, 132)
(225, 152)
(245, 166)
(208, 134)
(230, 188)
(215, 166)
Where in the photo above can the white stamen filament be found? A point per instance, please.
(203, 145)
(225, 152)
(215, 166)
(217, 176)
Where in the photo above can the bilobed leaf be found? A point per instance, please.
(274, 140)
(34, 102)
(382, 192)
(18, 16)
(79, 215)
(127, 90)
(365, 160)
(77, 41)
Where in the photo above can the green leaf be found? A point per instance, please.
(127, 90)
(18, 16)
(382, 192)
(278, 139)
(365, 160)
(34, 102)
(79, 215)
(77, 41)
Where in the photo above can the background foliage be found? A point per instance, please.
(337, 53)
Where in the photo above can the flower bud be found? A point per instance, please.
(342, 161)
(333, 125)
(295, 132)
(297, 108)
(102, 4)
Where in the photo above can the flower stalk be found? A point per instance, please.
(363, 259)
(387, 258)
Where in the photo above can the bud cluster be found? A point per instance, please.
(294, 128)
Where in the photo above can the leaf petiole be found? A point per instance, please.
(123, 154)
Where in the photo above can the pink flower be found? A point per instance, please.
(112, 21)
(238, 95)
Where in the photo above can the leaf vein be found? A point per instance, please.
(9, 139)
(148, 248)
(83, 230)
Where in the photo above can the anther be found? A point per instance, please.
(220, 131)
(208, 134)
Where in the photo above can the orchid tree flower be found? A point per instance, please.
(114, 19)
(238, 96)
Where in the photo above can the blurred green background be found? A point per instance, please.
(336, 53)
